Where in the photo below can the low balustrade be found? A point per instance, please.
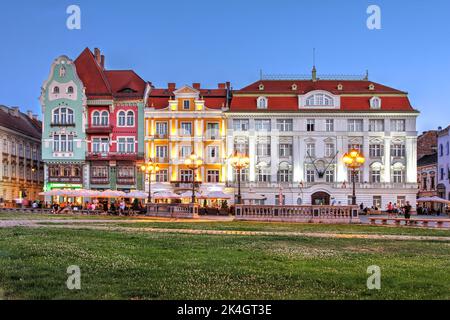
(25, 210)
(313, 214)
(179, 210)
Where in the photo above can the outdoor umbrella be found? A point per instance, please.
(165, 195)
(216, 195)
(112, 194)
(137, 194)
(188, 194)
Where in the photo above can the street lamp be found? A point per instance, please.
(193, 162)
(150, 168)
(239, 161)
(353, 160)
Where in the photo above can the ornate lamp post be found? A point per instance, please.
(353, 160)
(193, 162)
(239, 161)
(149, 168)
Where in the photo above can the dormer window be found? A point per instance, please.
(56, 90)
(340, 87)
(70, 90)
(319, 100)
(294, 87)
(262, 103)
(261, 87)
(375, 103)
(371, 86)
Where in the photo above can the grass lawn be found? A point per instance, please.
(137, 265)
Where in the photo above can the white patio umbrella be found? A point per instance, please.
(215, 195)
(165, 195)
(137, 194)
(112, 194)
(188, 194)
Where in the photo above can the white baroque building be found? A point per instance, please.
(443, 187)
(296, 132)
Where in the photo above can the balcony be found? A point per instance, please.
(214, 160)
(62, 124)
(160, 136)
(125, 180)
(133, 156)
(66, 179)
(99, 129)
(99, 180)
(185, 184)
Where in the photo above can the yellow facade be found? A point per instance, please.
(187, 126)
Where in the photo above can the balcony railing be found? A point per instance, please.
(185, 184)
(66, 179)
(114, 156)
(99, 129)
(125, 180)
(99, 180)
(62, 124)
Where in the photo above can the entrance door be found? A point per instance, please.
(320, 199)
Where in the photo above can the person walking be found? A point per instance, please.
(390, 208)
(407, 210)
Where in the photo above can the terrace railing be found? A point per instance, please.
(309, 214)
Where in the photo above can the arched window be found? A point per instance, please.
(70, 90)
(319, 100)
(56, 90)
(375, 103)
(121, 118)
(96, 118)
(130, 118)
(105, 118)
(262, 103)
(63, 116)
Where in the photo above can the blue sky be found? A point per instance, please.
(211, 41)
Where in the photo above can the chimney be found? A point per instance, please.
(221, 85)
(171, 86)
(196, 85)
(97, 56)
(15, 111)
(102, 61)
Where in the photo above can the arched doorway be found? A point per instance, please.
(320, 199)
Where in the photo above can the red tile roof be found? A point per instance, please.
(355, 96)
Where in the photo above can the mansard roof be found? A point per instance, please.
(13, 119)
(354, 96)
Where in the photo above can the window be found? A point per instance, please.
(63, 143)
(20, 152)
(186, 175)
(376, 125)
(212, 130)
(329, 150)
(329, 125)
(130, 118)
(96, 118)
(310, 175)
(262, 103)
(277, 200)
(63, 116)
(56, 90)
(162, 176)
(241, 147)
(375, 103)
(310, 124)
(264, 174)
(243, 177)
(355, 125)
(28, 152)
(311, 149)
(442, 174)
(121, 119)
(186, 128)
(375, 175)
(262, 125)
(398, 150)
(284, 175)
(355, 146)
(161, 151)
(284, 125)
(186, 104)
(213, 152)
(447, 148)
(185, 151)
(397, 175)
(329, 176)
(125, 145)
(376, 150)
(398, 125)
(161, 128)
(100, 145)
(240, 125)
(105, 118)
(401, 201)
(125, 172)
(100, 172)
(6, 170)
(320, 100)
(70, 90)
(212, 176)
(285, 150)
(5, 146)
(357, 177)
(376, 202)
(263, 149)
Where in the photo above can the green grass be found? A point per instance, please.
(136, 265)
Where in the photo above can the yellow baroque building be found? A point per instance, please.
(184, 121)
